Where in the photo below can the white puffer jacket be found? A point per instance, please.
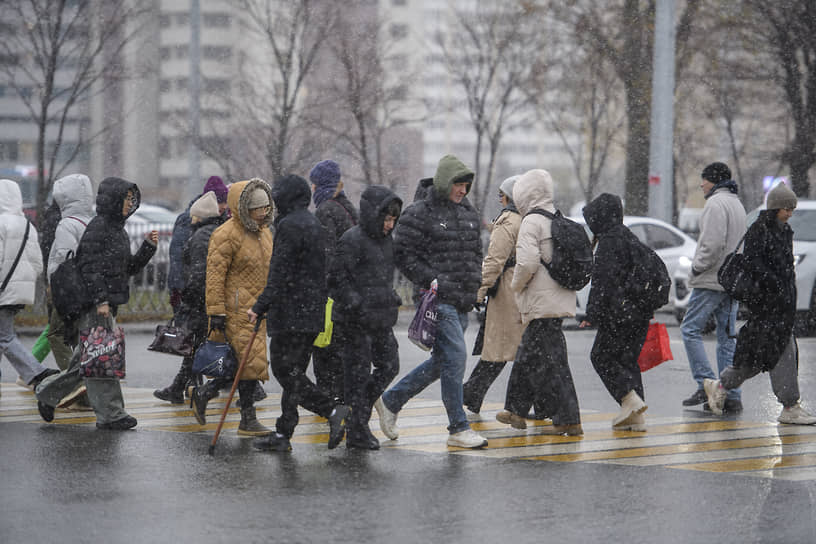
(21, 286)
(74, 196)
(538, 295)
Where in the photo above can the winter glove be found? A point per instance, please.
(175, 298)
(218, 323)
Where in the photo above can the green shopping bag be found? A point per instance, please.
(41, 347)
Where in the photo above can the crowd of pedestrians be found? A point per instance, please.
(252, 251)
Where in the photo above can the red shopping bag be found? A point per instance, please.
(656, 348)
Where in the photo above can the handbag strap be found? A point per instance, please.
(17, 259)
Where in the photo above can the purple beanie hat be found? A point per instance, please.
(325, 174)
(216, 185)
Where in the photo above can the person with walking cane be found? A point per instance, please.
(294, 301)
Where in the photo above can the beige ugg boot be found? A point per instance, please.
(631, 406)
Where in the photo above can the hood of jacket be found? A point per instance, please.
(111, 196)
(534, 189)
(374, 203)
(603, 213)
(449, 171)
(238, 202)
(290, 193)
(74, 195)
(11, 199)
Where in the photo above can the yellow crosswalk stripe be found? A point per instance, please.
(682, 442)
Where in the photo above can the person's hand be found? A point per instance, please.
(252, 316)
(103, 309)
(153, 236)
(218, 323)
(584, 324)
(175, 298)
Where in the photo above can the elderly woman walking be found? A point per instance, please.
(237, 264)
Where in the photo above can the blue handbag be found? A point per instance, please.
(215, 359)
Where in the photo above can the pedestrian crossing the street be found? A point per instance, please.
(685, 442)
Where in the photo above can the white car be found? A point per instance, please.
(148, 217)
(675, 247)
(803, 224)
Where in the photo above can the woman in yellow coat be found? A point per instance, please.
(237, 266)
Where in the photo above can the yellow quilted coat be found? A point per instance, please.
(237, 266)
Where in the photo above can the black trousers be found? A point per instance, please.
(541, 374)
(327, 364)
(614, 356)
(289, 355)
(360, 349)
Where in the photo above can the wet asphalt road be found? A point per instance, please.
(72, 483)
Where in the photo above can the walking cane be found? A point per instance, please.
(235, 383)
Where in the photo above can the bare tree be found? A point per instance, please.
(266, 100)
(623, 33)
(359, 108)
(578, 99)
(489, 57)
(53, 53)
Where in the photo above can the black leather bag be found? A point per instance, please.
(173, 340)
(735, 279)
(215, 359)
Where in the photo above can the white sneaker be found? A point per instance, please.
(796, 415)
(388, 420)
(716, 395)
(467, 439)
(23, 384)
(631, 406)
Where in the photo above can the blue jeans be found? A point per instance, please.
(447, 364)
(702, 304)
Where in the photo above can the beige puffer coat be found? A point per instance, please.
(538, 295)
(237, 266)
(503, 328)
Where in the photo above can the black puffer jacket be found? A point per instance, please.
(337, 215)
(294, 298)
(608, 303)
(769, 259)
(439, 239)
(104, 256)
(361, 278)
(193, 311)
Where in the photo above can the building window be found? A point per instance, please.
(216, 20)
(164, 21)
(216, 52)
(164, 53)
(182, 19)
(216, 86)
(164, 86)
(399, 31)
(180, 51)
(9, 150)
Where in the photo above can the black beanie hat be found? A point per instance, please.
(716, 172)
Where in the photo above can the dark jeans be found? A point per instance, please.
(541, 374)
(359, 350)
(614, 356)
(290, 353)
(327, 364)
(483, 376)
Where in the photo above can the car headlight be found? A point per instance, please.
(684, 261)
(797, 260)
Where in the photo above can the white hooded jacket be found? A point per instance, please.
(74, 196)
(22, 284)
(538, 295)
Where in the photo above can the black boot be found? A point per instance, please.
(174, 393)
(362, 438)
(199, 397)
(273, 442)
(337, 425)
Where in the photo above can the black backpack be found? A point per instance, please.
(571, 264)
(68, 292)
(649, 282)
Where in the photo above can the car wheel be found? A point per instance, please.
(805, 324)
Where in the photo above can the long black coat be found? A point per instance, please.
(361, 278)
(439, 239)
(104, 256)
(193, 311)
(769, 259)
(294, 298)
(608, 302)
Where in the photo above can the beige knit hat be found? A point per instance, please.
(205, 206)
(258, 199)
(781, 197)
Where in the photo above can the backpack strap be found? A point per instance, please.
(78, 219)
(17, 259)
(549, 215)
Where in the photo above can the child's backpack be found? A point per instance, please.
(571, 264)
(649, 283)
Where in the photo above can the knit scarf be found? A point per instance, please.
(729, 184)
(323, 193)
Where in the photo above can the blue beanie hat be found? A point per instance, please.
(325, 173)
